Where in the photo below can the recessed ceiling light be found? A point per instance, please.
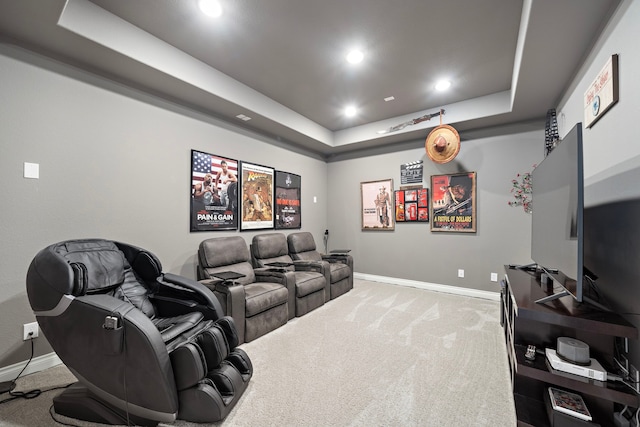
(355, 56)
(243, 117)
(350, 111)
(443, 85)
(210, 8)
(389, 98)
(381, 132)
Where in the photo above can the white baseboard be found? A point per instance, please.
(40, 363)
(475, 293)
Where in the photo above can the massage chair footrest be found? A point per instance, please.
(205, 404)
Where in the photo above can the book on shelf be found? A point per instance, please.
(569, 403)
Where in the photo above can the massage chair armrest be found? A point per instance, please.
(81, 339)
(286, 278)
(182, 295)
(100, 306)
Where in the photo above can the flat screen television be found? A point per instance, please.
(557, 232)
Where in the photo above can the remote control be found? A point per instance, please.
(530, 354)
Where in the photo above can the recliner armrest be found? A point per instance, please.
(232, 299)
(302, 265)
(277, 275)
(218, 284)
(342, 258)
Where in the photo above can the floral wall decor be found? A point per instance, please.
(521, 190)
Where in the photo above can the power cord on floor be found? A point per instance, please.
(26, 394)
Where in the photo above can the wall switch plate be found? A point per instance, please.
(494, 277)
(460, 272)
(31, 170)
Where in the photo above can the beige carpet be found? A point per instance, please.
(380, 355)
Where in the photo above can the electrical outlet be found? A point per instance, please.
(460, 272)
(30, 330)
(634, 377)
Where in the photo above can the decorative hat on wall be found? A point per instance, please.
(442, 144)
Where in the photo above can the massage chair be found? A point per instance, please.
(145, 346)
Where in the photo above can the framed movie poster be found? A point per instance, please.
(399, 202)
(257, 196)
(288, 194)
(412, 205)
(453, 202)
(214, 192)
(377, 206)
(423, 205)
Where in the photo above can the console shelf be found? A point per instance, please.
(526, 322)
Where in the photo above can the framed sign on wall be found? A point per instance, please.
(377, 206)
(453, 202)
(214, 192)
(412, 204)
(603, 92)
(288, 212)
(257, 196)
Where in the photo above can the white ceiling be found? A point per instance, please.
(281, 62)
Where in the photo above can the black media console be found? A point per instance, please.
(527, 323)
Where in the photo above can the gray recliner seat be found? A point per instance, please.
(258, 302)
(302, 246)
(311, 278)
(146, 347)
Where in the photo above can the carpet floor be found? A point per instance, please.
(380, 355)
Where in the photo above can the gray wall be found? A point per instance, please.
(113, 164)
(612, 169)
(412, 251)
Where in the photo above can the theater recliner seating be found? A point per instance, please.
(303, 247)
(146, 347)
(311, 278)
(260, 301)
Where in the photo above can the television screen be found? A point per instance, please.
(557, 216)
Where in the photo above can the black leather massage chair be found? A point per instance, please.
(146, 347)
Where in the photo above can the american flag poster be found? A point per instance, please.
(214, 192)
(257, 196)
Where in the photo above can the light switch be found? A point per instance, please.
(494, 277)
(31, 170)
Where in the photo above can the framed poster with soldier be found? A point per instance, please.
(214, 192)
(377, 205)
